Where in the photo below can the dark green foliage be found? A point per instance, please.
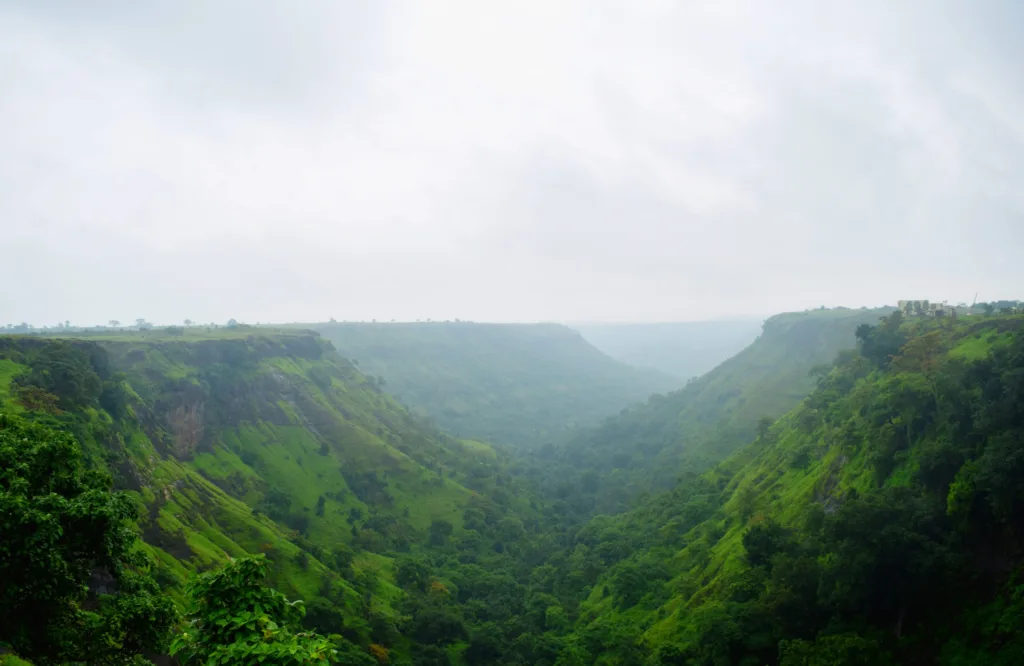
(433, 621)
(347, 654)
(114, 398)
(342, 556)
(670, 655)
(66, 369)
(841, 649)
(323, 616)
(634, 580)
(938, 463)
(431, 655)
(791, 593)
(763, 541)
(412, 574)
(990, 635)
(61, 526)
(732, 633)
(440, 530)
(880, 344)
(485, 645)
(383, 630)
(368, 486)
(234, 620)
(891, 555)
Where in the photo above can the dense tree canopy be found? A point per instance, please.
(62, 529)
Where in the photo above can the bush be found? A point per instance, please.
(234, 619)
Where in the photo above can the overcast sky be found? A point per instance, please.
(507, 161)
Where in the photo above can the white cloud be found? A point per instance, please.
(535, 160)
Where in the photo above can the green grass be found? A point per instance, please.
(329, 429)
(481, 449)
(8, 371)
(13, 660)
(978, 345)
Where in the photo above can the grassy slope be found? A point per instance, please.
(520, 384)
(706, 558)
(648, 446)
(282, 411)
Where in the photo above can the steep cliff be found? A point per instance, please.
(239, 442)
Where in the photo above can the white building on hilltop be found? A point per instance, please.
(926, 309)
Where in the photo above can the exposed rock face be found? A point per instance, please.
(186, 426)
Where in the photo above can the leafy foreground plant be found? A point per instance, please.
(234, 619)
(62, 527)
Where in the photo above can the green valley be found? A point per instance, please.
(516, 384)
(646, 447)
(511, 333)
(239, 442)
(842, 491)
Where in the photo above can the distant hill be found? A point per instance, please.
(648, 446)
(683, 349)
(517, 384)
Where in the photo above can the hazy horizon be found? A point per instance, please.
(572, 161)
(131, 323)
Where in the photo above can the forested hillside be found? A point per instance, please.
(518, 384)
(877, 523)
(681, 349)
(235, 442)
(646, 447)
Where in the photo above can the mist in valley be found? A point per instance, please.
(487, 334)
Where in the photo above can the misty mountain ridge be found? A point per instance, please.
(682, 349)
(516, 384)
